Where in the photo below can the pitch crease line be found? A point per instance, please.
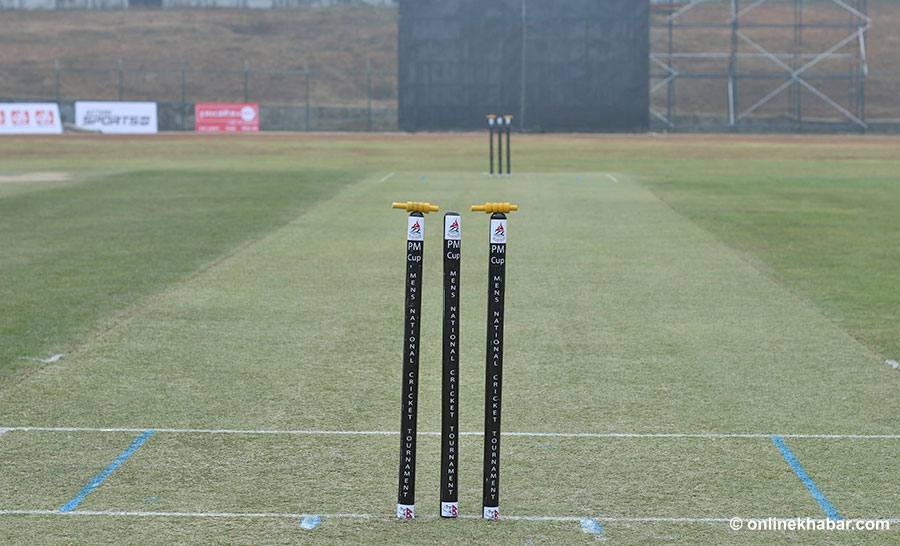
(387, 177)
(464, 433)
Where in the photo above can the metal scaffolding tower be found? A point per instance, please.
(796, 65)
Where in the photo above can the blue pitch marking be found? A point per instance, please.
(589, 525)
(826, 505)
(310, 522)
(98, 479)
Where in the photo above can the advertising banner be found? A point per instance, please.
(30, 119)
(219, 117)
(117, 117)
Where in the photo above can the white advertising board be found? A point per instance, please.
(117, 117)
(22, 118)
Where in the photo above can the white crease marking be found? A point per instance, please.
(75, 513)
(432, 433)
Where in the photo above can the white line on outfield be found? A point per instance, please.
(49, 360)
(387, 177)
(613, 178)
(180, 514)
(383, 516)
(431, 433)
(893, 364)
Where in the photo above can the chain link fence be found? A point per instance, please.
(300, 100)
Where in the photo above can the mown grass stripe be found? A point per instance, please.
(98, 479)
(817, 494)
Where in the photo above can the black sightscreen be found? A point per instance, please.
(557, 65)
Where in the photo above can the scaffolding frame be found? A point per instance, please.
(794, 66)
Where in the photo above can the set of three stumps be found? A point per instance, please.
(503, 125)
(450, 361)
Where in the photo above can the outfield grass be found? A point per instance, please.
(831, 237)
(656, 285)
(87, 251)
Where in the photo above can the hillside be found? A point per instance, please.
(332, 42)
(328, 40)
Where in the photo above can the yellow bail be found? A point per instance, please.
(490, 208)
(415, 206)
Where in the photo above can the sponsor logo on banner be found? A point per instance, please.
(416, 231)
(20, 118)
(219, 117)
(406, 511)
(117, 117)
(449, 509)
(29, 118)
(451, 227)
(44, 118)
(491, 513)
(498, 231)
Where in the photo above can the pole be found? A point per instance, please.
(183, 97)
(508, 153)
(306, 73)
(670, 88)
(246, 81)
(57, 83)
(450, 369)
(491, 118)
(500, 147)
(732, 67)
(523, 82)
(864, 69)
(493, 373)
(121, 80)
(799, 24)
(368, 95)
(406, 496)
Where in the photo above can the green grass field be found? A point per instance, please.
(673, 302)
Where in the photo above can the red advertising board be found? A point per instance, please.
(220, 117)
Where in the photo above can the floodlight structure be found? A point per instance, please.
(779, 64)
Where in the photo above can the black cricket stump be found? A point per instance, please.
(494, 358)
(491, 118)
(450, 369)
(500, 148)
(508, 147)
(406, 496)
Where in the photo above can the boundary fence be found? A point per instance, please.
(326, 100)
(290, 100)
